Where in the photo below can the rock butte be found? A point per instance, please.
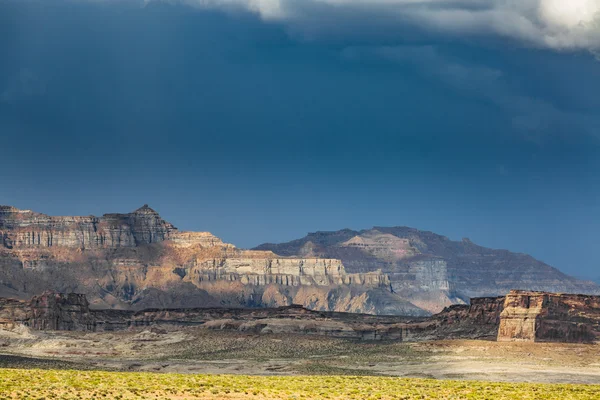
(138, 260)
(430, 270)
(521, 315)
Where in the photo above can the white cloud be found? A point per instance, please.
(556, 24)
(267, 9)
(569, 13)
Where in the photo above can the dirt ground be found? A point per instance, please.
(197, 350)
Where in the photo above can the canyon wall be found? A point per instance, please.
(138, 260)
(25, 229)
(528, 316)
(430, 270)
(550, 317)
(48, 311)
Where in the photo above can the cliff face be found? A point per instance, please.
(478, 320)
(138, 260)
(56, 311)
(550, 317)
(530, 316)
(48, 311)
(25, 229)
(430, 270)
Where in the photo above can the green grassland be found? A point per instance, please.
(69, 384)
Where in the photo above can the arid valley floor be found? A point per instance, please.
(54, 346)
(194, 362)
(196, 350)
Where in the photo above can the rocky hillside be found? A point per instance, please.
(138, 260)
(518, 316)
(431, 270)
(58, 311)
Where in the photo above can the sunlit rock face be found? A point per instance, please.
(430, 270)
(139, 260)
(550, 317)
(25, 229)
(518, 316)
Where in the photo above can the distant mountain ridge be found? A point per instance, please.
(430, 270)
(138, 260)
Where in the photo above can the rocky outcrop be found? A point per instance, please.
(13, 312)
(531, 316)
(430, 270)
(191, 239)
(58, 311)
(48, 311)
(480, 318)
(550, 317)
(55, 311)
(25, 229)
(138, 260)
(266, 269)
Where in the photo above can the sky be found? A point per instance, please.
(263, 120)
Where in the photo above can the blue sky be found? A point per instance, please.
(262, 120)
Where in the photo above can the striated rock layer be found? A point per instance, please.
(550, 317)
(25, 229)
(530, 316)
(56, 311)
(138, 260)
(430, 270)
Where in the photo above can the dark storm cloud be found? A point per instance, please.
(397, 30)
(111, 65)
(262, 120)
(532, 116)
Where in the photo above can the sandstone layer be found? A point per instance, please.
(25, 229)
(430, 270)
(519, 316)
(71, 312)
(138, 260)
(550, 317)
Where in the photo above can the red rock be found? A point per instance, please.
(550, 317)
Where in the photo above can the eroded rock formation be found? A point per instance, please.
(531, 316)
(58, 311)
(25, 229)
(138, 260)
(550, 317)
(48, 311)
(430, 270)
